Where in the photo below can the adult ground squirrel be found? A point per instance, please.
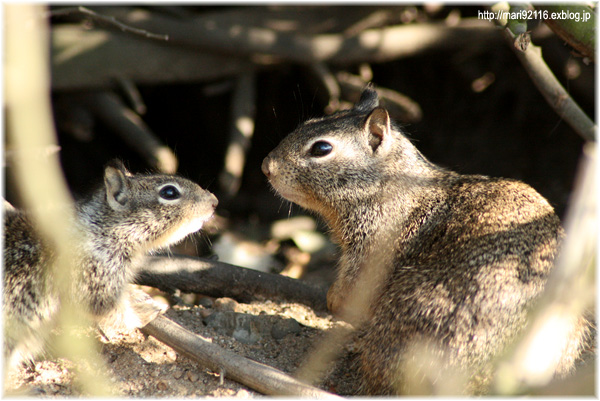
(462, 256)
(124, 218)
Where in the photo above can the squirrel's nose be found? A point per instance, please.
(265, 166)
(214, 201)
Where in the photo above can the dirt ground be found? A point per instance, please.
(278, 334)
(141, 366)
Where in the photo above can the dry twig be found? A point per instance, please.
(328, 87)
(106, 19)
(554, 93)
(257, 376)
(132, 94)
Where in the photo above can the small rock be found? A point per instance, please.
(177, 374)
(206, 302)
(204, 313)
(225, 304)
(247, 335)
(284, 327)
(244, 328)
(192, 376)
(188, 298)
(161, 386)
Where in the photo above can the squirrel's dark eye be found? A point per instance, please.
(321, 148)
(169, 192)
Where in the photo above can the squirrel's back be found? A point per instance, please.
(461, 283)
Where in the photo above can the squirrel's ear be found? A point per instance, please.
(117, 186)
(369, 99)
(119, 165)
(378, 129)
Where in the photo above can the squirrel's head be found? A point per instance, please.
(154, 210)
(346, 157)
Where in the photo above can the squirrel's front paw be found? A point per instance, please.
(135, 310)
(144, 307)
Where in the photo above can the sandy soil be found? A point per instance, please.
(141, 366)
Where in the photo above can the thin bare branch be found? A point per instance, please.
(257, 376)
(329, 89)
(554, 93)
(106, 19)
(132, 94)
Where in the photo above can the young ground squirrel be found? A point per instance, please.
(463, 255)
(120, 221)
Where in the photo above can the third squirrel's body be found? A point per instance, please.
(462, 256)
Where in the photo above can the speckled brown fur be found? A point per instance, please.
(124, 218)
(467, 254)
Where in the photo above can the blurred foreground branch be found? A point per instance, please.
(569, 293)
(40, 179)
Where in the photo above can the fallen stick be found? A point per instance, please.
(260, 377)
(218, 279)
